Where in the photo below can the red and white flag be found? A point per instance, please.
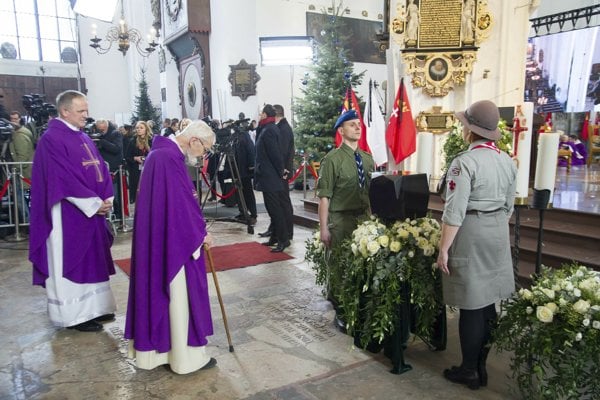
(375, 123)
(401, 133)
(351, 103)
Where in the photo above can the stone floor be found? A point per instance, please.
(286, 346)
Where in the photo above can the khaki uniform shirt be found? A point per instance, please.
(338, 181)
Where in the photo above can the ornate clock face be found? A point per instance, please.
(173, 7)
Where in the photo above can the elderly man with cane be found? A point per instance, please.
(168, 312)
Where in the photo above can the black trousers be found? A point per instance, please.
(276, 210)
(248, 193)
(288, 212)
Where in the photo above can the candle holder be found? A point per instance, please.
(124, 37)
(540, 201)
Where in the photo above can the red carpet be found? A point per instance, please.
(231, 256)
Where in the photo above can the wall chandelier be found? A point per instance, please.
(124, 37)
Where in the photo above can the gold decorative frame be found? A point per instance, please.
(243, 78)
(439, 70)
(422, 67)
(435, 121)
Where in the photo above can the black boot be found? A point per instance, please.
(483, 355)
(468, 377)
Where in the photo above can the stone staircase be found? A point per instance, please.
(567, 235)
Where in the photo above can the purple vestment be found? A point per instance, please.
(67, 164)
(580, 153)
(168, 229)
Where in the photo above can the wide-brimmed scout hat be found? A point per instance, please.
(481, 118)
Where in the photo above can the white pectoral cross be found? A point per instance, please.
(92, 161)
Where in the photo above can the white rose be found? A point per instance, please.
(588, 284)
(581, 306)
(402, 234)
(569, 286)
(548, 292)
(354, 248)
(578, 336)
(527, 295)
(428, 251)
(411, 254)
(553, 307)
(556, 287)
(395, 246)
(373, 247)
(529, 310)
(383, 240)
(596, 324)
(544, 314)
(585, 322)
(576, 292)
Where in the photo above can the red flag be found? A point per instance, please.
(585, 127)
(401, 133)
(351, 103)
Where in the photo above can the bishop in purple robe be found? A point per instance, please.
(168, 310)
(69, 241)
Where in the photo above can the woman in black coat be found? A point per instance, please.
(138, 149)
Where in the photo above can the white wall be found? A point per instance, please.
(112, 79)
(261, 18)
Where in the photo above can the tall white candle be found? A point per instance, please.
(524, 154)
(545, 167)
(425, 153)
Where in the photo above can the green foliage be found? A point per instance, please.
(553, 330)
(144, 110)
(455, 144)
(326, 83)
(366, 274)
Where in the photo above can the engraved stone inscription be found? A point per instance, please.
(440, 23)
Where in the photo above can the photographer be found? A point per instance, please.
(110, 146)
(244, 158)
(21, 150)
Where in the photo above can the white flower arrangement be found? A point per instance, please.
(373, 264)
(554, 331)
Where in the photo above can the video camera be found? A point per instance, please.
(227, 137)
(38, 109)
(6, 130)
(91, 130)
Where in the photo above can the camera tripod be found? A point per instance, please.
(231, 161)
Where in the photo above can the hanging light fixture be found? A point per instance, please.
(125, 38)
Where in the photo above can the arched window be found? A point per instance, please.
(38, 30)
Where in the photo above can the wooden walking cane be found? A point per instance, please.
(214, 274)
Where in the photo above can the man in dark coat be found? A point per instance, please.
(286, 143)
(270, 177)
(110, 146)
(245, 156)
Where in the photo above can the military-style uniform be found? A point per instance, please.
(480, 191)
(338, 181)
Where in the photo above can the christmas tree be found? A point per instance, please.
(144, 110)
(324, 90)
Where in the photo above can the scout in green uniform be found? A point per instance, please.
(343, 187)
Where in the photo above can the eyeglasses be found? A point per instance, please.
(206, 150)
